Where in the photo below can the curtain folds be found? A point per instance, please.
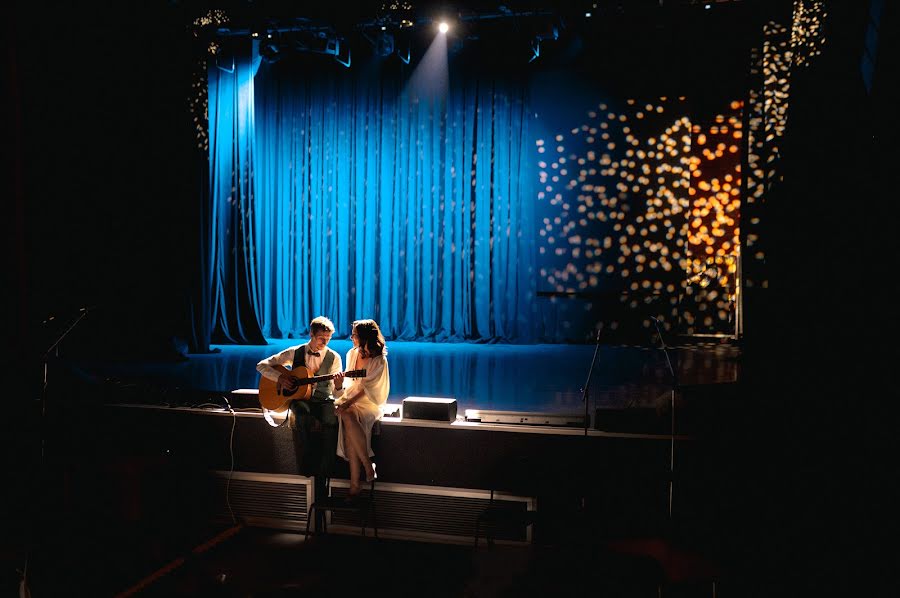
(339, 194)
(231, 275)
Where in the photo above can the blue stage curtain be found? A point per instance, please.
(230, 277)
(354, 200)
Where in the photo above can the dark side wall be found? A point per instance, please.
(107, 173)
(819, 356)
(100, 195)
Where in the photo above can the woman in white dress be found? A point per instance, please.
(359, 400)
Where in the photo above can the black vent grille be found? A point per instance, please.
(275, 501)
(435, 514)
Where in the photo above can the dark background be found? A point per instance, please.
(103, 177)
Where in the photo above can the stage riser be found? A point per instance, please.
(625, 477)
(434, 456)
(445, 515)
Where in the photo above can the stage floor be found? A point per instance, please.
(527, 378)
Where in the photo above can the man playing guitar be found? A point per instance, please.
(313, 420)
(315, 355)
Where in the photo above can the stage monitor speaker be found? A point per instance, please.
(245, 398)
(431, 408)
(525, 418)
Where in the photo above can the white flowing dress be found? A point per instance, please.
(376, 385)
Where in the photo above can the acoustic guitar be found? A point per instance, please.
(274, 397)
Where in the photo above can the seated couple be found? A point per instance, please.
(357, 400)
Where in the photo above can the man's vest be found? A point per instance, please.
(320, 391)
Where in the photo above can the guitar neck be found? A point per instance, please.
(322, 378)
(316, 379)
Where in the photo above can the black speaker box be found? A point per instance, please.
(432, 408)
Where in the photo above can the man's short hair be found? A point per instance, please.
(320, 324)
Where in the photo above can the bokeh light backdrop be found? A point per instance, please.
(642, 204)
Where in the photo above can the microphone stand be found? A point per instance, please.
(42, 472)
(45, 361)
(587, 384)
(672, 392)
(585, 391)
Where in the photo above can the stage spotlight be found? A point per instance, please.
(550, 33)
(258, 29)
(225, 55)
(403, 50)
(535, 49)
(384, 44)
(270, 48)
(382, 40)
(337, 47)
(443, 27)
(342, 54)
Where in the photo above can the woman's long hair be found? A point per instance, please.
(368, 335)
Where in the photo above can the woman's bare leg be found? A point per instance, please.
(356, 438)
(350, 454)
(354, 469)
(348, 422)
